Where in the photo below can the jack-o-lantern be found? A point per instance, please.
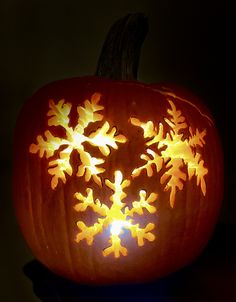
(116, 181)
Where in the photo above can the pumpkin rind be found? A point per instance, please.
(48, 214)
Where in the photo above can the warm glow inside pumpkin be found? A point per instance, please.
(170, 151)
(116, 181)
(109, 183)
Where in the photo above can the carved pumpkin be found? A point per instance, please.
(116, 181)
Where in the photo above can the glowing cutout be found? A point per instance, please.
(103, 138)
(117, 217)
(173, 152)
(117, 225)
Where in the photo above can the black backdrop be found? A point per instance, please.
(189, 43)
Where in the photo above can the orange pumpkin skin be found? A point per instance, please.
(181, 225)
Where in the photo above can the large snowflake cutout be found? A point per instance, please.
(103, 138)
(117, 218)
(173, 152)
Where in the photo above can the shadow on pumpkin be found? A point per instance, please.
(210, 278)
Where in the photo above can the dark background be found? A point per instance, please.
(189, 43)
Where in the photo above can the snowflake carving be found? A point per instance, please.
(103, 138)
(173, 152)
(167, 153)
(118, 217)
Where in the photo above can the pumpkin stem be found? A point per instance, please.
(120, 53)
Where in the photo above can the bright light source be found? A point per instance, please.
(117, 226)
